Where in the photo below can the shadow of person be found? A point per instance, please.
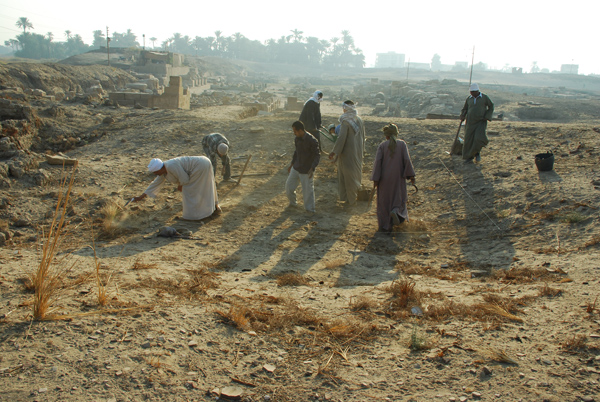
(374, 262)
(485, 245)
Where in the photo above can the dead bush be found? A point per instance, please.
(237, 316)
(549, 291)
(575, 343)
(138, 265)
(403, 293)
(520, 275)
(362, 303)
(112, 221)
(197, 285)
(291, 279)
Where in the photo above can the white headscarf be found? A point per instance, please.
(155, 165)
(350, 115)
(315, 97)
(474, 88)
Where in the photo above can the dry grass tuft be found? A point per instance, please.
(500, 356)
(237, 316)
(520, 275)
(497, 310)
(591, 307)
(112, 220)
(138, 265)
(222, 264)
(101, 281)
(291, 279)
(343, 329)
(27, 282)
(592, 242)
(199, 282)
(549, 292)
(362, 303)
(575, 343)
(403, 293)
(418, 341)
(49, 279)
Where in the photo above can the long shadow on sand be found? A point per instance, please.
(375, 263)
(287, 240)
(486, 245)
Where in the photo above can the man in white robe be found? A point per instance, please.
(348, 152)
(195, 179)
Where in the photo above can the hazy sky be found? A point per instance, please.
(514, 32)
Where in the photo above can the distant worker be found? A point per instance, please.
(194, 178)
(478, 110)
(217, 145)
(302, 168)
(311, 115)
(391, 169)
(348, 152)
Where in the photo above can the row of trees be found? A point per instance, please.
(294, 48)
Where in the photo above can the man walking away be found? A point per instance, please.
(301, 170)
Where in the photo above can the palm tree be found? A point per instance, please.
(296, 34)
(347, 40)
(24, 23)
(218, 39)
(49, 36)
(68, 34)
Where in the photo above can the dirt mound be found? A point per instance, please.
(48, 77)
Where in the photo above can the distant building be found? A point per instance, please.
(569, 69)
(420, 66)
(460, 65)
(517, 70)
(389, 60)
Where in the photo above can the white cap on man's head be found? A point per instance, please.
(155, 165)
(474, 88)
(222, 149)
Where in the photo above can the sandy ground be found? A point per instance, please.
(500, 262)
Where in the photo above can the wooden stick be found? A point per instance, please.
(455, 138)
(252, 174)
(243, 170)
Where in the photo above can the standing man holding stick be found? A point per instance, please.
(478, 110)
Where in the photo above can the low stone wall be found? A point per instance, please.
(130, 98)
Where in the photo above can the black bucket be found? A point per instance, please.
(544, 162)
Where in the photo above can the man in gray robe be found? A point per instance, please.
(195, 179)
(391, 169)
(348, 152)
(478, 110)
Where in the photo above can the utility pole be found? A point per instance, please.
(107, 46)
(407, 68)
(144, 36)
(472, 58)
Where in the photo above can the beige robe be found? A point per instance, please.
(199, 191)
(349, 148)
